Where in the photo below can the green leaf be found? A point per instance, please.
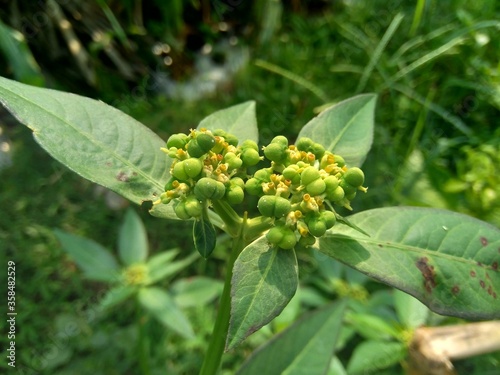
(345, 129)
(411, 312)
(158, 271)
(116, 295)
(96, 262)
(336, 367)
(132, 240)
(196, 291)
(370, 356)
(304, 348)
(448, 261)
(204, 237)
(264, 281)
(99, 142)
(17, 52)
(239, 120)
(162, 306)
(371, 326)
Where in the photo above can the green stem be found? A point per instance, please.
(232, 221)
(213, 356)
(143, 343)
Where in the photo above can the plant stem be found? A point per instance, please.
(143, 343)
(213, 356)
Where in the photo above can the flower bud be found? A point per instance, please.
(186, 169)
(331, 183)
(316, 187)
(249, 145)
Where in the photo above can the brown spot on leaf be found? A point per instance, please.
(479, 264)
(455, 290)
(482, 284)
(109, 164)
(494, 295)
(484, 241)
(427, 272)
(473, 273)
(379, 245)
(122, 176)
(495, 266)
(490, 291)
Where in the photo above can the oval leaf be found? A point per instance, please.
(239, 120)
(304, 348)
(345, 128)
(204, 237)
(95, 261)
(97, 141)
(264, 281)
(132, 240)
(448, 261)
(162, 306)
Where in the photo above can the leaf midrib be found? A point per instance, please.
(36, 132)
(404, 247)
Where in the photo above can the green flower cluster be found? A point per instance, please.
(297, 190)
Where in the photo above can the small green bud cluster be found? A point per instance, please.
(300, 188)
(207, 166)
(297, 191)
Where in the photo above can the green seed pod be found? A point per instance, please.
(318, 150)
(205, 141)
(194, 149)
(231, 139)
(263, 175)
(177, 140)
(234, 194)
(306, 241)
(273, 206)
(179, 172)
(188, 168)
(282, 237)
(180, 211)
(329, 218)
(233, 161)
(193, 206)
(193, 167)
(291, 173)
(316, 226)
(336, 195)
(316, 187)
(275, 152)
(348, 188)
(351, 196)
(253, 186)
(281, 140)
(237, 181)
(339, 160)
(354, 177)
(249, 145)
(304, 144)
(331, 183)
(309, 175)
(250, 157)
(207, 188)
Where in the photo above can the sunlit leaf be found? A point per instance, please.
(448, 261)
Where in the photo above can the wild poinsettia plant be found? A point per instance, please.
(447, 260)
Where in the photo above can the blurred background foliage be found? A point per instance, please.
(169, 64)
